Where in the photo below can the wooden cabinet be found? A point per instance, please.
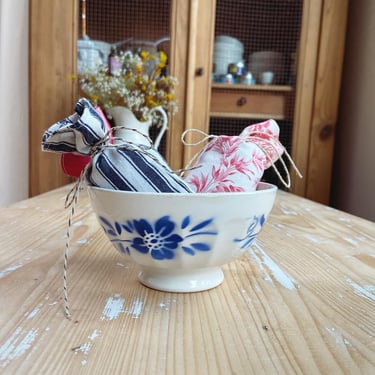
(308, 105)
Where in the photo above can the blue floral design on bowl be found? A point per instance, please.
(254, 227)
(162, 239)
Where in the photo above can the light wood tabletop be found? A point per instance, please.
(302, 301)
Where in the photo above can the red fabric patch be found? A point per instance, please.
(73, 164)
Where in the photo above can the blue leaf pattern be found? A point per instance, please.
(118, 227)
(185, 222)
(253, 229)
(200, 246)
(201, 225)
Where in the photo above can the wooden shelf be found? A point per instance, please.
(236, 86)
(253, 115)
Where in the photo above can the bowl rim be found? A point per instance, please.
(263, 187)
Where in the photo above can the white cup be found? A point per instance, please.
(266, 78)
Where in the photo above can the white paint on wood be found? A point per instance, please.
(367, 291)
(17, 345)
(10, 269)
(113, 307)
(270, 269)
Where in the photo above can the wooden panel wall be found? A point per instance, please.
(52, 92)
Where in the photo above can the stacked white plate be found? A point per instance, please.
(227, 50)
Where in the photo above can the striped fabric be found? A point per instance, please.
(123, 166)
(76, 133)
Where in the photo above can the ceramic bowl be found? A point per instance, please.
(267, 61)
(180, 240)
(230, 41)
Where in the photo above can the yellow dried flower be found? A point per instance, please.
(163, 59)
(139, 86)
(144, 54)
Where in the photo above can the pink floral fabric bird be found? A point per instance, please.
(236, 163)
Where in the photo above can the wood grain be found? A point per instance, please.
(180, 20)
(302, 301)
(327, 90)
(53, 36)
(319, 69)
(307, 52)
(200, 57)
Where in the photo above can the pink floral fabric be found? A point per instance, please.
(236, 163)
(266, 136)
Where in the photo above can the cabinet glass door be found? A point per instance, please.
(110, 27)
(254, 66)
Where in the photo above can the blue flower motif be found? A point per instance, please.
(157, 239)
(253, 229)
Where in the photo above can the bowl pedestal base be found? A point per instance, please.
(181, 280)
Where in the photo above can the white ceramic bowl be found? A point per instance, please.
(229, 40)
(180, 240)
(223, 47)
(267, 61)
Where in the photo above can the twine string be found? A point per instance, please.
(71, 199)
(276, 144)
(108, 141)
(205, 137)
(272, 141)
(122, 140)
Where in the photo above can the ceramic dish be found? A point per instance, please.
(180, 240)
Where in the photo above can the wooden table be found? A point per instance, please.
(301, 302)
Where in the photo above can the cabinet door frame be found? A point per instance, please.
(319, 72)
(326, 99)
(193, 24)
(308, 52)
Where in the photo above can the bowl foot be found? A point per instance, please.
(181, 280)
